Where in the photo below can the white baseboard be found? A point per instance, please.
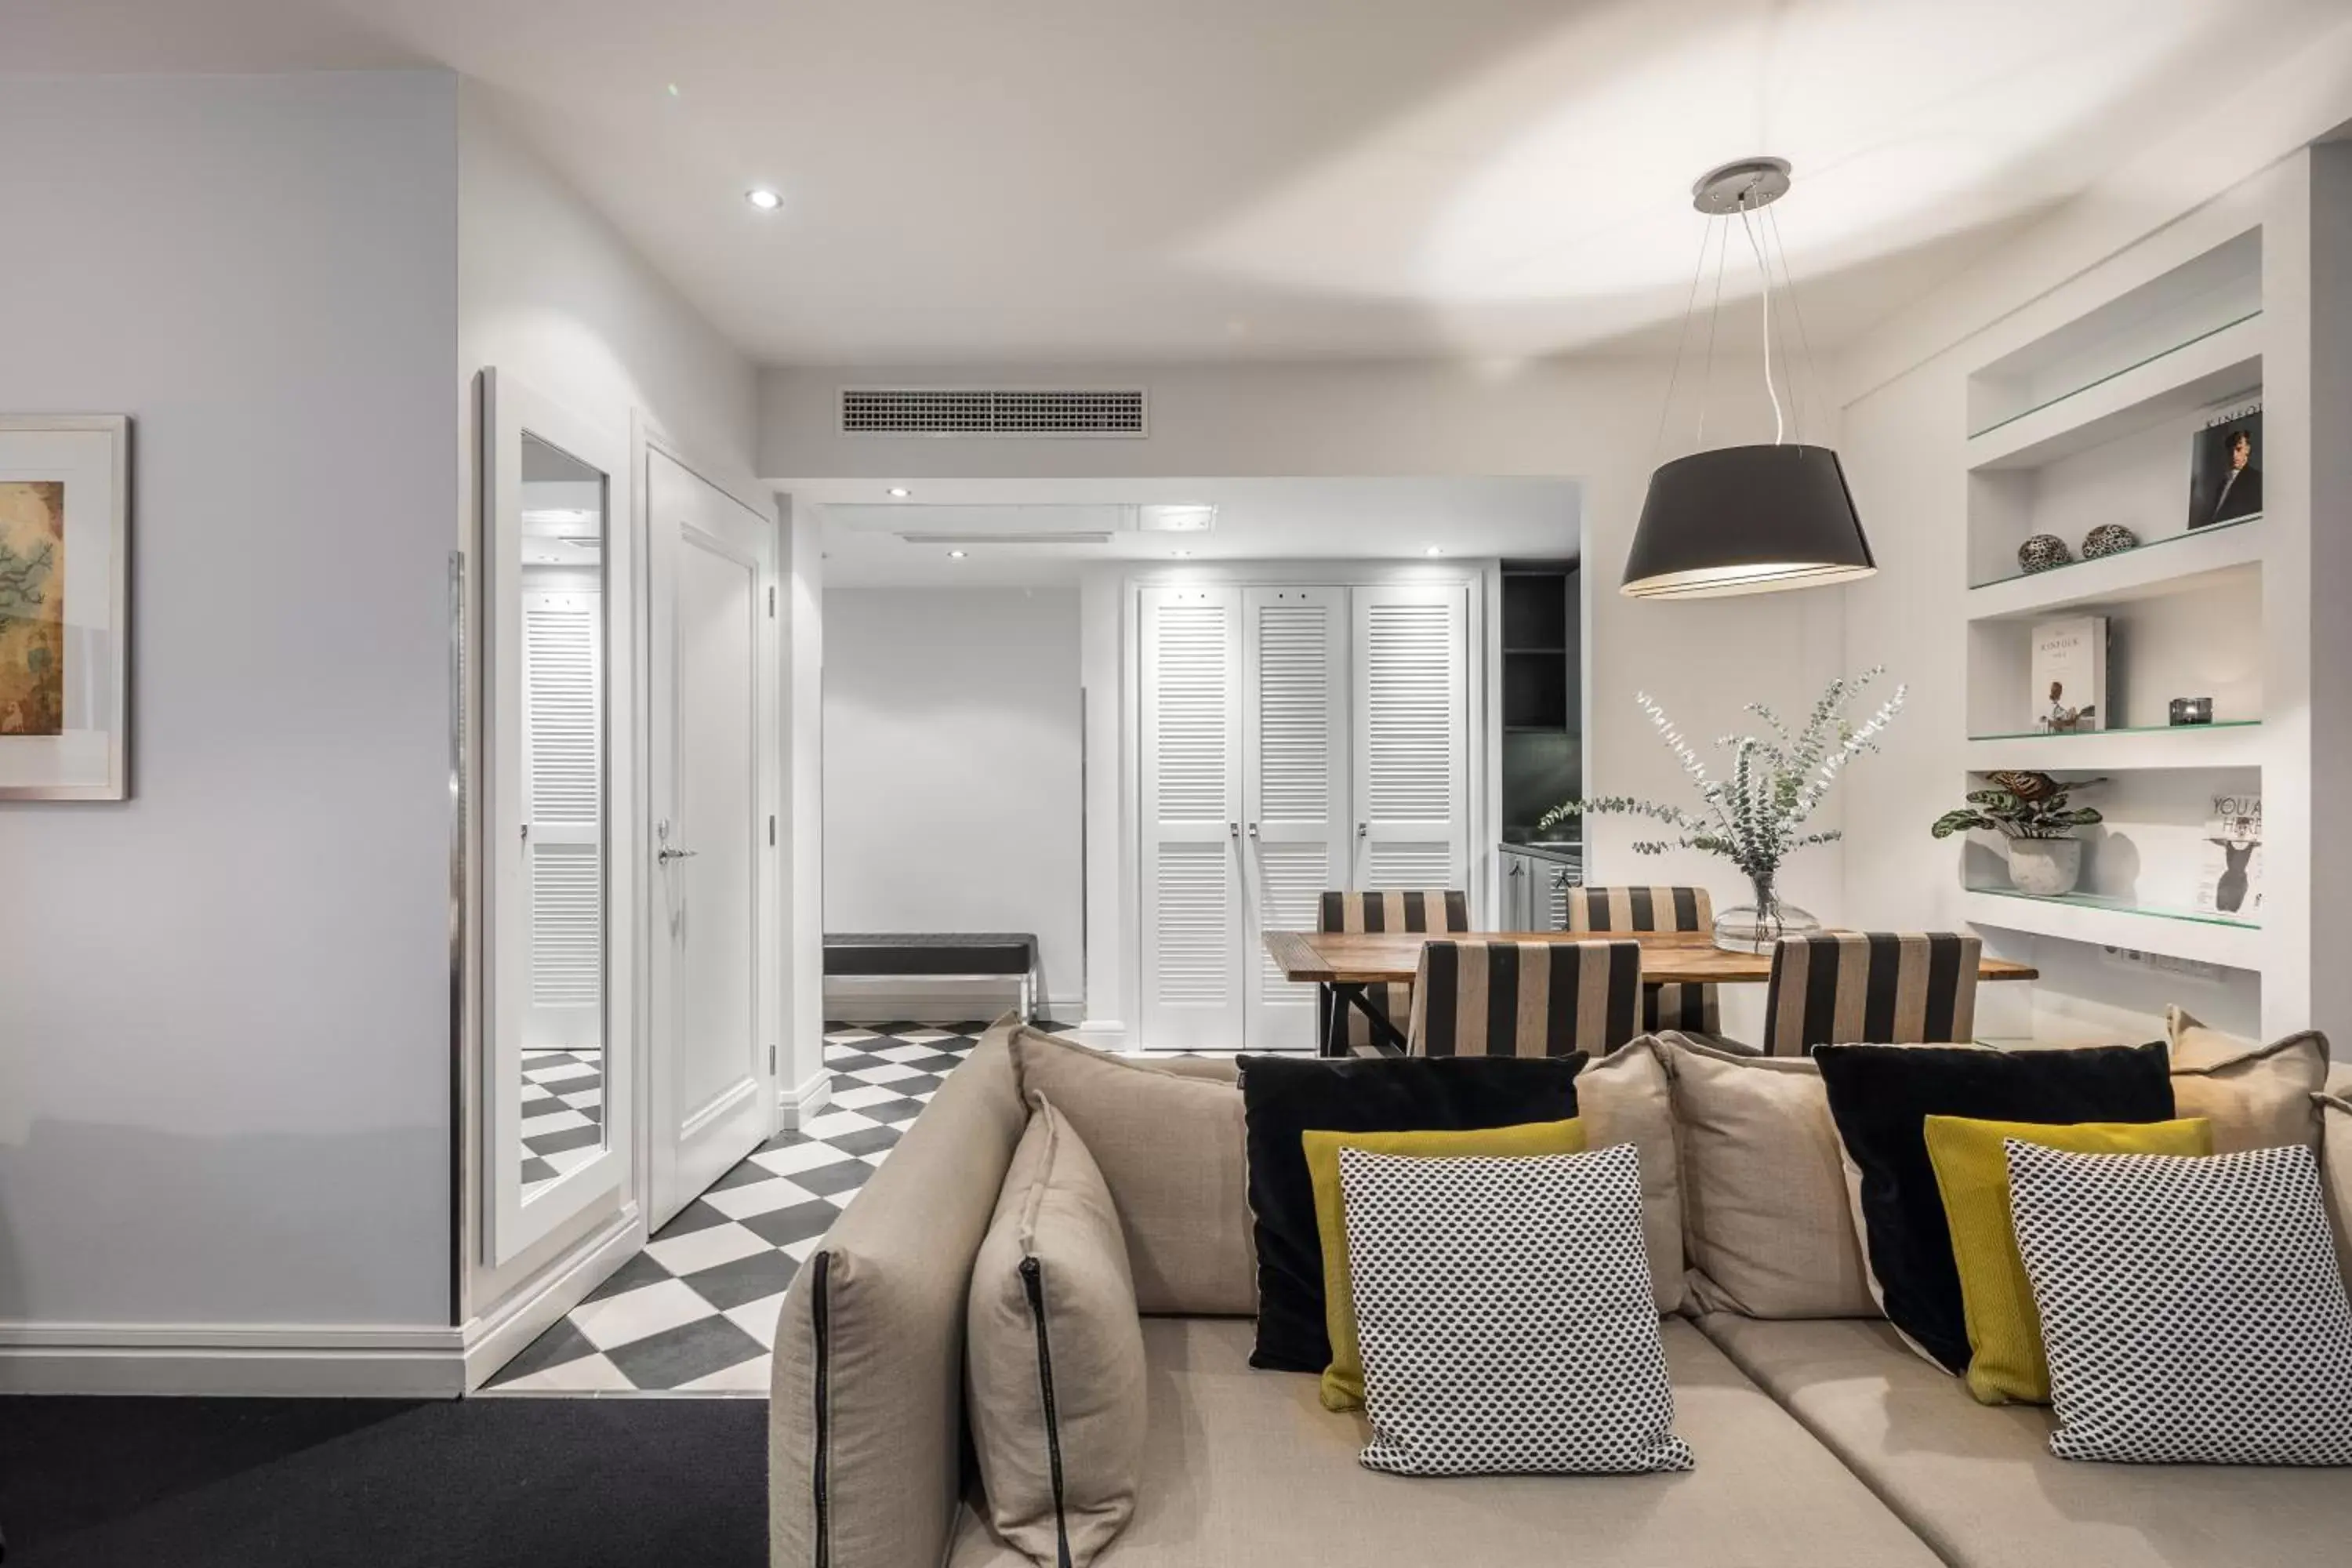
(497, 1337)
(1102, 1034)
(305, 1360)
(799, 1104)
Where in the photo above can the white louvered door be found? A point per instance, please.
(1190, 770)
(562, 788)
(1409, 658)
(1294, 790)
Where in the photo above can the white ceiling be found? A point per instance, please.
(1258, 520)
(1036, 180)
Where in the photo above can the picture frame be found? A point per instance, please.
(65, 603)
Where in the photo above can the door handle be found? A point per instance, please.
(668, 855)
(1232, 830)
(1253, 830)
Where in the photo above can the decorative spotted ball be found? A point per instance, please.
(2108, 539)
(2042, 552)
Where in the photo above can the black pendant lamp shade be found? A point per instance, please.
(1746, 519)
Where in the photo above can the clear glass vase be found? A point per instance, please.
(1754, 928)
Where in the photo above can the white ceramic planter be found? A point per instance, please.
(2046, 866)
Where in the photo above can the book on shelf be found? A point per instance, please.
(2229, 871)
(2070, 675)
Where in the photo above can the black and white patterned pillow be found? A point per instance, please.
(2194, 1308)
(1506, 1317)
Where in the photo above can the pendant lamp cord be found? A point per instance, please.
(1682, 336)
(1796, 308)
(1779, 424)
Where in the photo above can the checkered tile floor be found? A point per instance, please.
(695, 1312)
(563, 1112)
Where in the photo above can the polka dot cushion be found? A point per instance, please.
(2192, 1309)
(1504, 1315)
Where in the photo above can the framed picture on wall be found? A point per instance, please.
(65, 577)
(2225, 470)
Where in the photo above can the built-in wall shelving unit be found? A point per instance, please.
(1542, 693)
(2095, 422)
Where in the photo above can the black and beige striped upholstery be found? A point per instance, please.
(1882, 988)
(1693, 1008)
(1497, 997)
(1445, 909)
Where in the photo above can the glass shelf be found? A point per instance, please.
(2102, 381)
(2112, 905)
(2121, 730)
(2206, 533)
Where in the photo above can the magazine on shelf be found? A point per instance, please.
(2070, 675)
(2229, 874)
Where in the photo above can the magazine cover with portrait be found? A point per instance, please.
(2225, 475)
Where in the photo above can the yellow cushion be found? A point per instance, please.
(1343, 1379)
(2005, 1356)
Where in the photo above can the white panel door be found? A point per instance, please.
(712, 1076)
(1294, 790)
(1409, 658)
(1190, 767)
(563, 814)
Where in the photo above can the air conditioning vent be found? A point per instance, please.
(992, 411)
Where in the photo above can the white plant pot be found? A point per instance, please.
(2046, 866)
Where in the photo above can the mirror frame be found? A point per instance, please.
(510, 1223)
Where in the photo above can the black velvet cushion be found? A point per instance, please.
(1880, 1098)
(1284, 1097)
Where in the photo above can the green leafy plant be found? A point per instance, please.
(1756, 818)
(2021, 806)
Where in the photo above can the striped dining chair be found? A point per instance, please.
(1497, 997)
(1445, 909)
(1885, 988)
(1691, 1008)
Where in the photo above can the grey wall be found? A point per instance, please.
(223, 1004)
(951, 768)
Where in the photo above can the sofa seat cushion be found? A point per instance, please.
(1240, 1469)
(1980, 1484)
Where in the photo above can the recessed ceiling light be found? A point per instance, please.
(1183, 555)
(1433, 549)
(900, 492)
(766, 200)
(955, 554)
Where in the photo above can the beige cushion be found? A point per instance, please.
(1170, 1148)
(2336, 1173)
(1053, 1309)
(1765, 1214)
(1622, 1099)
(876, 1319)
(1978, 1481)
(1246, 1469)
(2256, 1095)
(1216, 1069)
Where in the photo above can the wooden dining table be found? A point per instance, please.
(1345, 962)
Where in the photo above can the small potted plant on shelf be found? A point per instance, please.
(2032, 812)
(1755, 817)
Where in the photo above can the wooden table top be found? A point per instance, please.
(1685, 957)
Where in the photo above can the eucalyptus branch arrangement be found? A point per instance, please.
(1756, 816)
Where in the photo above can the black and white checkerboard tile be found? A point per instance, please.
(695, 1312)
(563, 1112)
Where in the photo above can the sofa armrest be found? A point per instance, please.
(866, 1407)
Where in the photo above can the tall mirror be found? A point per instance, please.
(554, 845)
(559, 611)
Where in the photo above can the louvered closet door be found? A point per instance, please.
(1293, 789)
(1409, 656)
(1190, 740)
(563, 780)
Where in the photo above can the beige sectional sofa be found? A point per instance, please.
(1821, 1443)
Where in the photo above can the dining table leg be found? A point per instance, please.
(1386, 1035)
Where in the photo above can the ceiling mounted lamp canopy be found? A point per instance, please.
(1752, 518)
